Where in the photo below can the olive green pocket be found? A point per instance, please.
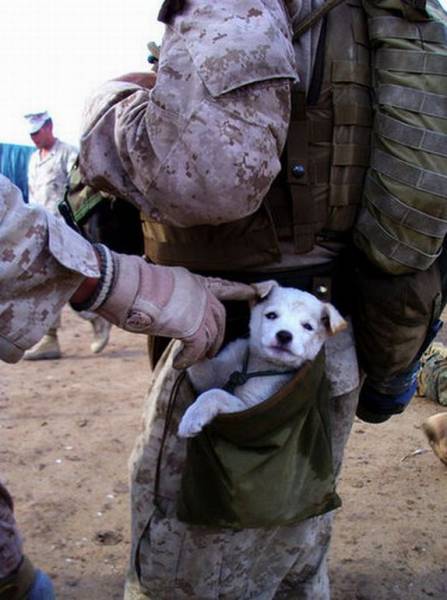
(265, 466)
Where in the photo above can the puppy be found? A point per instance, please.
(287, 328)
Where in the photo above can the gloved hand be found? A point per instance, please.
(377, 403)
(165, 301)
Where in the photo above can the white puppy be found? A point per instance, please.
(287, 328)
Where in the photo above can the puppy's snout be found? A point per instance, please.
(284, 337)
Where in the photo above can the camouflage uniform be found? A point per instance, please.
(176, 560)
(42, 263)
(47, 176)
(223, 85)
(10, 541)
(47, 180)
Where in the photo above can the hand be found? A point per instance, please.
(394, 396)
(166, 301)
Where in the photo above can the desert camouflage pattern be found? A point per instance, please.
(42, 263)
(177, 560)
(223, 85)
(48, 176)
(432, 376)
(10, 541)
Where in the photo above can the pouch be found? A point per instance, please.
(268, 465)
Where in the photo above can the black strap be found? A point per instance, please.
(169, 413)
(317, 75)
(308, 22)
(238, 378)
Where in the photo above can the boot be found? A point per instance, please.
(47, 348)
(101, 331)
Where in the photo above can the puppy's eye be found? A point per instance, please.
(308, 326)
(271, 315)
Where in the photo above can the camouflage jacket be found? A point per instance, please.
(42, 263)
(48, 176)
(223, 84)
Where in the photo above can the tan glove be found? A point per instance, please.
(166, 301)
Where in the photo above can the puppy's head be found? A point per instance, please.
(289, 326)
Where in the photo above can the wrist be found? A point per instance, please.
(93, 292)
(85, 290)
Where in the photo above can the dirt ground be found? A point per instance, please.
(68, 426)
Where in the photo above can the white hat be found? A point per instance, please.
(36, 121)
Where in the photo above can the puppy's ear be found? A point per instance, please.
(263, 289)
(332, 319)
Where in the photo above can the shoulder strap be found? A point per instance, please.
(308, 22)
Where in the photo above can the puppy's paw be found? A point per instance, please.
(198, 415)
(192, 423)
(189, 427)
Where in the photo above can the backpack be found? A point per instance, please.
(100, 216)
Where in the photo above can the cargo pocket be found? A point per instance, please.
(158, 553)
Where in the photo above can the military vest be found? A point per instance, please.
(315, 197)
(403, 220)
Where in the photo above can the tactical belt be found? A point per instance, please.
(330, 282)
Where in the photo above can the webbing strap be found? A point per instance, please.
(345, 71)
(411, 175)
(409, 61)
(350, 154)
(345, 194)
(427, 103)
(390, 246)
(408, 135)
(303, 206)
(352, 114)
(395, 27)
(406, 215)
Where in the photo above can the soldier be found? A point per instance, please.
(48, 171)
(43, 265)
(248, 158)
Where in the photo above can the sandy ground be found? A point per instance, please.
(67, 428)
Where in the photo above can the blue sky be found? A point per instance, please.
(55, 51)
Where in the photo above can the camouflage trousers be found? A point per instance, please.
(171, 560)
(10, 540)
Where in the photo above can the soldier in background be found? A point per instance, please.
(48, 171)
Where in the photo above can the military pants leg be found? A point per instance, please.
(173, 560)
(308, 577)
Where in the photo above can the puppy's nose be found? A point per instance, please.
(284, 337)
